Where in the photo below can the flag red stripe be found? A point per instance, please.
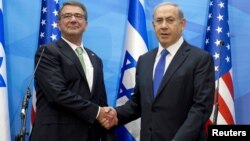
(209, 122)
(225, 112)
(33, 115)
(228, 81)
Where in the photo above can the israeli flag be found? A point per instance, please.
(136, 45)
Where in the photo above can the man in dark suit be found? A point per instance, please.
(70, 90)
(175, 105)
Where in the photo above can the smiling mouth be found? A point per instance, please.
(73, 27)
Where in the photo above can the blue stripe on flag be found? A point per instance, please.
(2, 82)
(124, 134)
(1, 27)
(136, 18)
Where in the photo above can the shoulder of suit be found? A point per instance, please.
(49, 47)
(90, 52)
(197, 51)
(150, 52)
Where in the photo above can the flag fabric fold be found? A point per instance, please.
(135, 45)
(4, 107)
(48, 32)
(217, 43)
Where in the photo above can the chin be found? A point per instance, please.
(74, 32)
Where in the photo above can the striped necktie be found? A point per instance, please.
(159, 71)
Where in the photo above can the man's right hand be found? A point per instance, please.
(107, 117)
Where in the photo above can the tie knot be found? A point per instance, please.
(164, 53)
(79, 50)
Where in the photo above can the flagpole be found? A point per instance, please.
(216, 105)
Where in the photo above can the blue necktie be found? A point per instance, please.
(159, 70)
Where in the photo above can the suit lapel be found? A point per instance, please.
(71, 55)
(175, 64)
(149, 73)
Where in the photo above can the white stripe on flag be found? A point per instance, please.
(134, 131)
(224, 91)
(4, 106)
(135, 45)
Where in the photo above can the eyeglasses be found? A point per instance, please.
(69, 16)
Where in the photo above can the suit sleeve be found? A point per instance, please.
(49, 77)
(201, 108)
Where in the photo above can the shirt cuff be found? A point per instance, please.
(99, 108)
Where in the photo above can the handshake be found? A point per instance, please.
(107, 117)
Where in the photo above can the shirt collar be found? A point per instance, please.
(171, 49)
(73, 46)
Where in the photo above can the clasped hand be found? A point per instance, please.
(107, 117)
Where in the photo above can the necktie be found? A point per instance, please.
(159, 70)
(79, 52)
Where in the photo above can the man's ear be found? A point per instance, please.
(58, 26)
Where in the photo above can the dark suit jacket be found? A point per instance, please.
(66, 108)
(184, 101)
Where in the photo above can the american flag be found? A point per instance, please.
(217, 42)
(48, 32)
(4, 107)
(136, 45)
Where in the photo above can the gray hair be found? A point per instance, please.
(181, 15)
(74, 3)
